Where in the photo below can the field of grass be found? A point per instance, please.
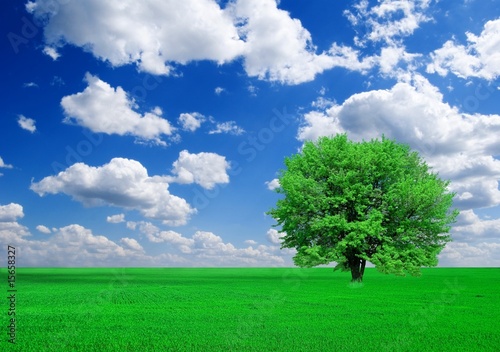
(177, 309)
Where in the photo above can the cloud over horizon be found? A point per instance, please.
(122, 183)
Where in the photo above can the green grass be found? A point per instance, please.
(253, 309)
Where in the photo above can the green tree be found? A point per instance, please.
(350, 203)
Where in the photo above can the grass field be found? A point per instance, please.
(253, 309)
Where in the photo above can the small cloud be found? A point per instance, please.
(52, 52)
(43, 229)
(219, 90)
(4, 165)
(251, 242)
(57, 81)
(11, 212)
(131, 225)
(116, 219)
(132, 244)
(274, 236)
(229, 127)
(191, 121)
(30, 85)
(252, 90)
(26, 123)
(204, 169)
(272, 185)
(322, 103)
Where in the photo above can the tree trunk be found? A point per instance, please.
(357, 269)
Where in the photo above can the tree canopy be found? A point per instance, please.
(352, 202)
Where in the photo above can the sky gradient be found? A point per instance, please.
(151, 133)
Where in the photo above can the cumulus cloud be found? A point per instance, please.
(274, 236)
(277, 47)
(191, 121)
(152, 34)
(11, 212)
(26, 123)
(73, 246)
(463, 254)
(4, 165)
(43, 229)
(12, 233)
(104, 109)
(132, 244)
(461, 147)
(158, 35)
(382, 26)
(116, 219)
(228, 127)
(52, 52)
(272, 185)
(204, 169)
(123, 183)
(389, 21)
(470, 227)
(205, 248)
(479, 58)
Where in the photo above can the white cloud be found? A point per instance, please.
(102, 108)
(479, 58)
(155, 35)
(30, 85)
(75, 245)
(116, 219)
(26, 123)
(43, 229)
(219, 90)
(471, 228)
(207, 249)
(229, 127)
(464, 254)
(389, 21)
(349, 58)
(132, 243)
(52, 52)
(4, 165)
(191, 121)
(12, 233)
(251, 242)
(11, 212)
(274, 236)
(383, 26)
(123, 183)
(204, 169)
(132, 225)
(272, 185)
(278, 47)
(151, 34)
(171, 237)
(460, 146)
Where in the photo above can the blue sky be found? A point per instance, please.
(151, 133)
